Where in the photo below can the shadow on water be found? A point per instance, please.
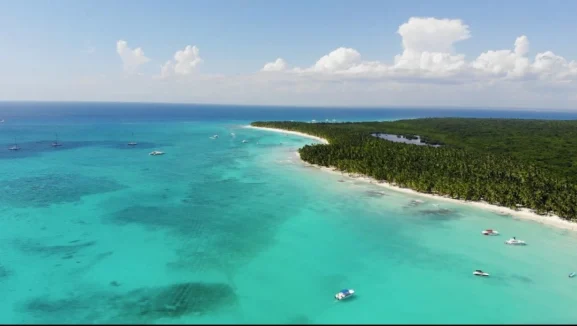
(441, 214)
(143, 305)
(31, 149)
(67, 250)
(299, 320)
(375, 193)
(45, 190)
(4, 272)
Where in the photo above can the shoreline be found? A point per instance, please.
(521, 214)
(296, 133)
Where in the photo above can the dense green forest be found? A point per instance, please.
(508, 162)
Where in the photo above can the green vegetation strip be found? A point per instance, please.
(506, 162)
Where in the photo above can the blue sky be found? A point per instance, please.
(50, 40)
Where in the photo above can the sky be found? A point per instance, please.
(520, 54)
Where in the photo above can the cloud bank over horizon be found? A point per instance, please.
(429, 53)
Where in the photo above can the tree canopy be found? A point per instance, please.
(507, 162)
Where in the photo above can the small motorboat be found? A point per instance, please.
(572, 274)
(513, 241)
(344, 294)
(479, 272)
(214, 137)
(232, 134)
(14, 148)
(155, 153)
(490, 232)
(245, 141)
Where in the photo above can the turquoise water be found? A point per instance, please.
(97, 232)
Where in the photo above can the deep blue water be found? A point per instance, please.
(52, 112)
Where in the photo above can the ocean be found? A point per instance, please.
(221, 231)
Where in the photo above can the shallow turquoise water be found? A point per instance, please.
(96, 232)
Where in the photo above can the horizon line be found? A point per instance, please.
(449, 107)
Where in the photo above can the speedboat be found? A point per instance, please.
(515, 242)
(343, 294)
(214, 137)
(572, 274)
(479, 272)
(132, 143)
(154, 153)
(232, 134)
(490, 232)
(14, 148)
(245, 141)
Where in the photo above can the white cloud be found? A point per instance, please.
(428, 45)
(550, 66)
(338, 60)
(429, 53)
(131, 59)
(432, 34)
(185, 62)
(278, 65)
(505, 63)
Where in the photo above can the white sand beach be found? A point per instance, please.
(522, 213)
(322, 140)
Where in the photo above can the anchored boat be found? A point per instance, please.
(479, 272)
(513, 241)
(344, 294)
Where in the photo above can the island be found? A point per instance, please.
(513, 163)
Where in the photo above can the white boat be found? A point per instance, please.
(513, 241)
(245, 141)
(14, 147)
(232, 134)
(479, 272)
(132, 143)
(55, 143)
(154, 153)
(572, 274)
(344, 294)
(214, 137)
(490, 232)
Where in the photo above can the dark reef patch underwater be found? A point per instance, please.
(47, 189)
(143, 305)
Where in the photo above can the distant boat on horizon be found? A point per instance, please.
(132, 142)
(55, 143)
(14, 147)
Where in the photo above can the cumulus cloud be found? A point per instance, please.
(185, 61)
(338, 60)
(505, 63)
(429, 52)
(278, 65)
(428, 45)
(131, 59)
